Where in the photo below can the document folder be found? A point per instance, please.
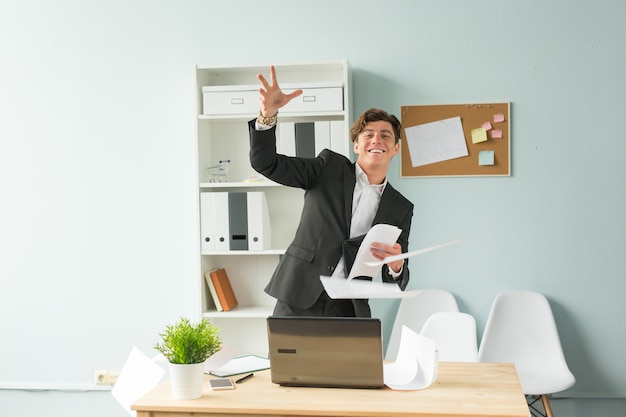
(238, 221)
(259, 228)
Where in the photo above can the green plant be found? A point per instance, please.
(187, 343)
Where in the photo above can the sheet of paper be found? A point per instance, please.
(383, 233)
(406, 255)
(416, 364)
(341, 288)
(139, 376)
(241, 365)
(221, 358)
(436, 141)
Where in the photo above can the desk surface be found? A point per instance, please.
(461, 389)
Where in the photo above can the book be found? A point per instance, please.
(213, 291)
(224, 290)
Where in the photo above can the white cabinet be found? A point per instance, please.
(227, 98)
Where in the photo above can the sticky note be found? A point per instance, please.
(479, 135)
(486, 126)
(496, 134)
(498, 118)
(485, 157)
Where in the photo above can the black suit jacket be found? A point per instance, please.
(324, 229)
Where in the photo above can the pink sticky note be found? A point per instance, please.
(498, 118)
(486, 126)
(496, 134)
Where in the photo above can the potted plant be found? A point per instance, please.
(186, 346)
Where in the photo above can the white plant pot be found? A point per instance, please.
(186, 380)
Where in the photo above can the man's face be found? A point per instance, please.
(376, 145)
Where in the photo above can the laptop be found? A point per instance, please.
(338, 352)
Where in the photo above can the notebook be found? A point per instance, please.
(339, 352)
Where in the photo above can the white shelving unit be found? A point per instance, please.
(222, 134)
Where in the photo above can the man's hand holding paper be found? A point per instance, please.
(376, 249)
(384, 234)
(382, 251)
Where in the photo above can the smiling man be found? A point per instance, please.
(343, 200)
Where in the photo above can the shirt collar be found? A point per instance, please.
(361, 178)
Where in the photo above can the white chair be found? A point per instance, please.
(413, 313)
(521, 329)
(454, 334)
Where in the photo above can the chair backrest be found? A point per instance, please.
(413, 313)
(454, 334)
(521, 329)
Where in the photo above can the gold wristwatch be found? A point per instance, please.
(267, 121)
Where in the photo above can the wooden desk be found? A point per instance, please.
(461, 389)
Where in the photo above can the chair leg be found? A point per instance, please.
(534, 411)
(545, 402)
(546, 405)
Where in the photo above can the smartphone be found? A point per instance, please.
(221, 383)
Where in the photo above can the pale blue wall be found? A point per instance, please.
(97, 237)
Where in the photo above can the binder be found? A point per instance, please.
(322, 136)
(238, 220)
(287, 138)
(305, 140)
(309, 139)
(220, 221)
(259, 227)
(338, 137)
(224, 290)
(207, 222)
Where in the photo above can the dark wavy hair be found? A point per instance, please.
(374, 115)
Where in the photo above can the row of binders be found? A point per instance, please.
(221, 291)
(234, 221)
(308, 139)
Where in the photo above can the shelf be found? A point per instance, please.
(240, 184)
(325, 115)
(245, 252)
(241, 312)
(222, 134)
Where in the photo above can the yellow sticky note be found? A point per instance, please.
(479, 135)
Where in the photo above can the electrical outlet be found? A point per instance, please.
(101, 377)
(112, 377)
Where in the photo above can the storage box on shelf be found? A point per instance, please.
(244, 99)
(227, 97)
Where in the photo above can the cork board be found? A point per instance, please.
(433, 135)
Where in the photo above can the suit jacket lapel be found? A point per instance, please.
(385, 206)
(349, 179)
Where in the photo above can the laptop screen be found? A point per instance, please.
(326, 351)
